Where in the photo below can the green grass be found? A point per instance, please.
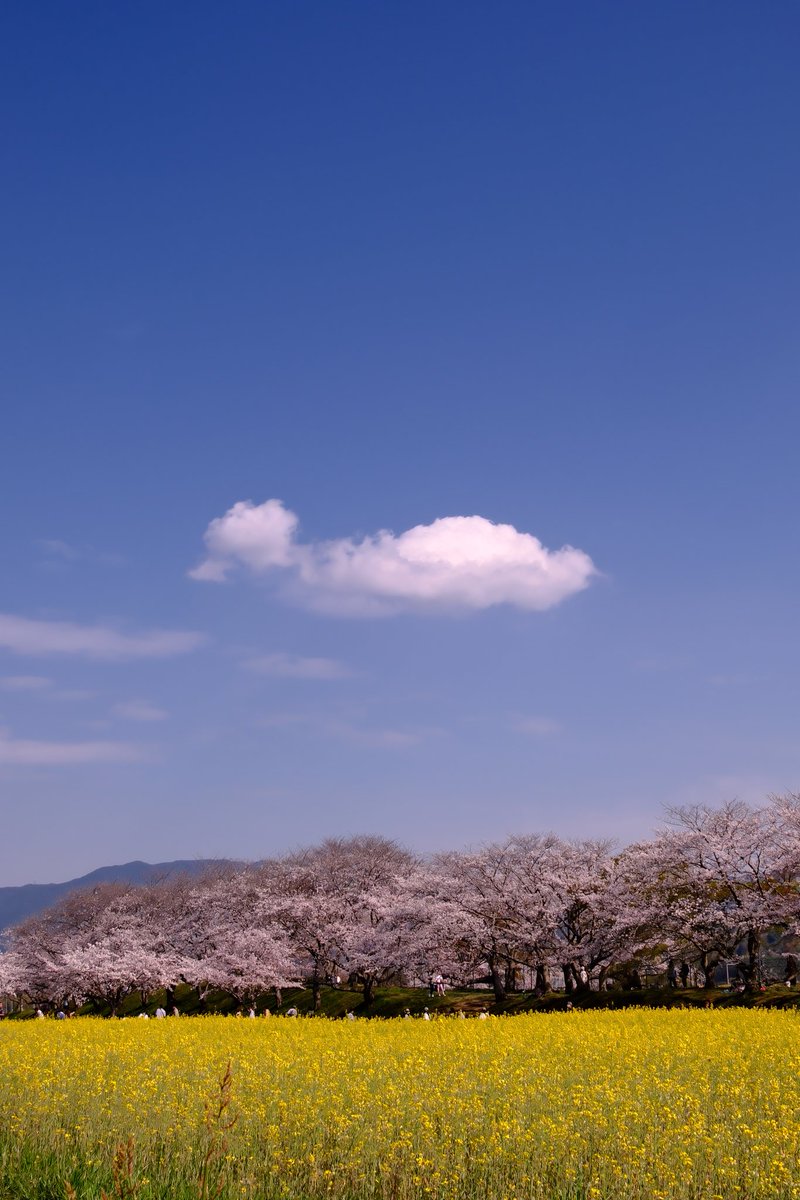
(393, 1001)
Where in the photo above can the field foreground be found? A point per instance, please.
(645, 1104)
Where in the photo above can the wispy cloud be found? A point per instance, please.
(57, 551)
(55, 548)
(453, 563)
(388, 739)
(25, 683)
(348, 731)
(283, 720)
(537, 726)
(662, 663)
(31, 752)
(24, 635)
(40, 685)
(294, 666)
(718, 789)
(139, 710)
(726, 680)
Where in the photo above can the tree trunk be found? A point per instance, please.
(497, 980)
(708, 965)
(542, 982)
(753, 946)
(278, 997)
(570, 978)
(369, 990)
(510, 977)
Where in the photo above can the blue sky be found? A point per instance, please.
(388, 264)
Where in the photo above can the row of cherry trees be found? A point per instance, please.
(709, 888)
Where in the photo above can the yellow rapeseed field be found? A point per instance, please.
(646, 1104)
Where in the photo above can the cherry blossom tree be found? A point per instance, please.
(237, 946)
(43, 947)
(712, 882)
(579, 881)
(334, 900)
(714, 885)
(469, 892)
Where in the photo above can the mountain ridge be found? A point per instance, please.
(26, 899)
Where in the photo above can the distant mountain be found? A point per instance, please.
(17, 903)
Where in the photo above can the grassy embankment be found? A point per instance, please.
(393, 1001)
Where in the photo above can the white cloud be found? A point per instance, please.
(40, 685)
(24, 683)
(57, 551)
(293, 666)
(283, 720)
(537, 726)
(453, 563)
(24, 635)
(261, 536)
(724, 680)
(25, 752)
(139, 710)
(387, 739)
(348, 731)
